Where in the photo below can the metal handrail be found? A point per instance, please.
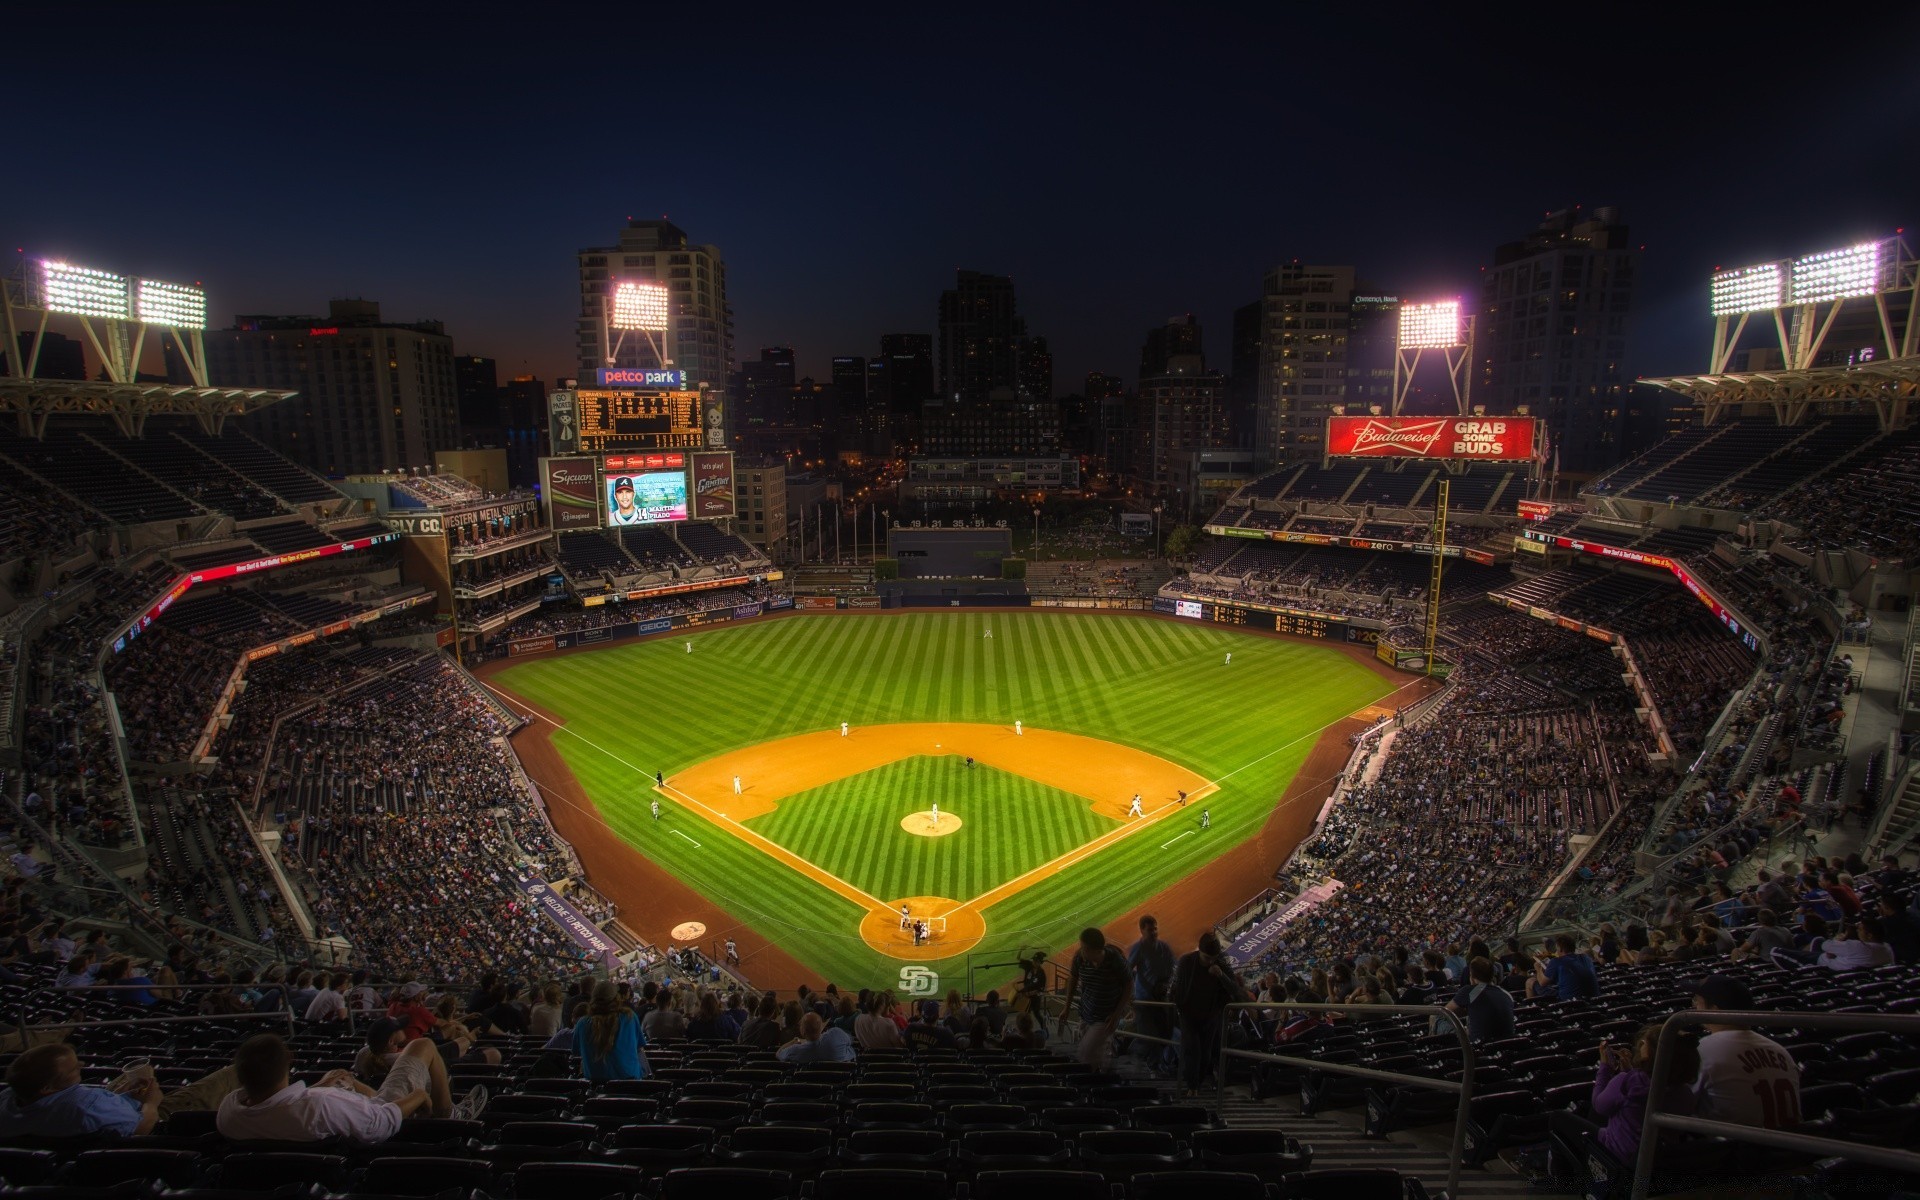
(91, 1023)
(1655, 1120)
(1463, 1089)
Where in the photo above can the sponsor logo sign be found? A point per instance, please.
(1485, 439)
(572, 493)
(643, 377)
(571, 920)
(713, 484)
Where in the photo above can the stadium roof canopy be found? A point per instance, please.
(32, 401)
(1889, 386)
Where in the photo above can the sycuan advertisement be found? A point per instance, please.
(573, 494)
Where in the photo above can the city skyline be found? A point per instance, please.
(472, 213)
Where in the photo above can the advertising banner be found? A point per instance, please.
(573, 499)
(572, 921)
(1479, 439)
(779, 602)
(534, 645)
(645, 498)
(657, 625)
(816, 603)
(713, 484)
(1535, 510)
(563, 422)
(640, 377)
(863, 602)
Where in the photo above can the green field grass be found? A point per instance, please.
(644, 706)
(1009, 826)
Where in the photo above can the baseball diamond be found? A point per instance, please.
(811, 861)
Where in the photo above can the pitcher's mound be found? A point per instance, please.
(923, 824)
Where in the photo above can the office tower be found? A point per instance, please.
(1304, 324)
(850, 380)
(909, 373)
(1243, 372)
(768, 384)
(1552, 332)
(1373, 325)
(699, 339)
(1179, 336)
(374, 395)
(476, 383)
(62, 357)
(1181, 406)
(980, 335)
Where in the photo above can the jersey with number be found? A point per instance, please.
(630, 517)
(1747, 1079)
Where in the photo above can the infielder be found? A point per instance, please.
(656, 809)
(843, 729)
(1206, 818)
(1133, 810)
(736, 785)
(1017, 732)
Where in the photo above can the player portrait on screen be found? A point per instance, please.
(623, 512)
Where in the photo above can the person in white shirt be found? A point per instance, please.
(24, 862)
(1866, 948)
(330, 1002)
(270, 1107)
(365, 998)
(1745, 1077)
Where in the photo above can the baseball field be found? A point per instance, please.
(806, 841)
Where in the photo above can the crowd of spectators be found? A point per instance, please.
(1872, 506)
(572, 619)
(1109, 578)
(410, 826)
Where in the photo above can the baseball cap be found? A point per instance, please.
(930, 1009)
(625, 481)
(1723, 992)
(410, 990)
(381, 1032)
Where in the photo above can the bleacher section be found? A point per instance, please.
(712, 543)
(1732, 449)
(242, 453)
(585, 555)
(654, 549)
(285, 537)
(108, 485)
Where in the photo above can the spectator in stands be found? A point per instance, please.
(1867, 947)
(1570, 974)
(926, 1031)
(1900, 927)
(1619, 1102)
(1487, 1006)
(1203, 984)
(364, 998)
(874, 1029)
(762, 1029)
(991, 1012)
(329, 1004)
(117, 973)
(408, 1006)
(304, 990)
(1022, 1033)
(818, 1042)
(664, 1023)
(76, 972)
(1745, 1077)
(1151, 961)
(45, 1098)
(269, 1106)
(398, 1068)
(544, 1018)
(609, 1039)
(1101, 980)
(706, 1025)
(1764, 938)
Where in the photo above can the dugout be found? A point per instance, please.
(964, 553)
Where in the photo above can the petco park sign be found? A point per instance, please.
(1486, 439)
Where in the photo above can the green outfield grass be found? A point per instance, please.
(638, 707)
(1010, 826)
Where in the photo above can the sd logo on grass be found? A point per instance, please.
(916, 980)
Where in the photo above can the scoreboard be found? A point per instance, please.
(1279, 620)
(615, 420)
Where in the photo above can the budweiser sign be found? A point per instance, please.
(1491, 439)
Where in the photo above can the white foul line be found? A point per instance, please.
(677, 833)
(1176, 837)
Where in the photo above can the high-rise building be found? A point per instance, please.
(760, 499)
(1373, 332)
(767, 386)
(1243, 372)
(909, 373)
(700, 340)
(1181, 407)
(374, 395)
(62, 357)
(980, 336)
(1036, 369)
(476, 381)
(1179, 336)
(1305, 321)
(1552, 332)
(850, 380)
(523, 412)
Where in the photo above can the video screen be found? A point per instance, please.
(647, 496)
(1187, 608)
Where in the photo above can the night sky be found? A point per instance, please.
(1124, 166)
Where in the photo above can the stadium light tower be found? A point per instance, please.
(635, 306)
(114, 312)
(1795, 291)
(1440, 325)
